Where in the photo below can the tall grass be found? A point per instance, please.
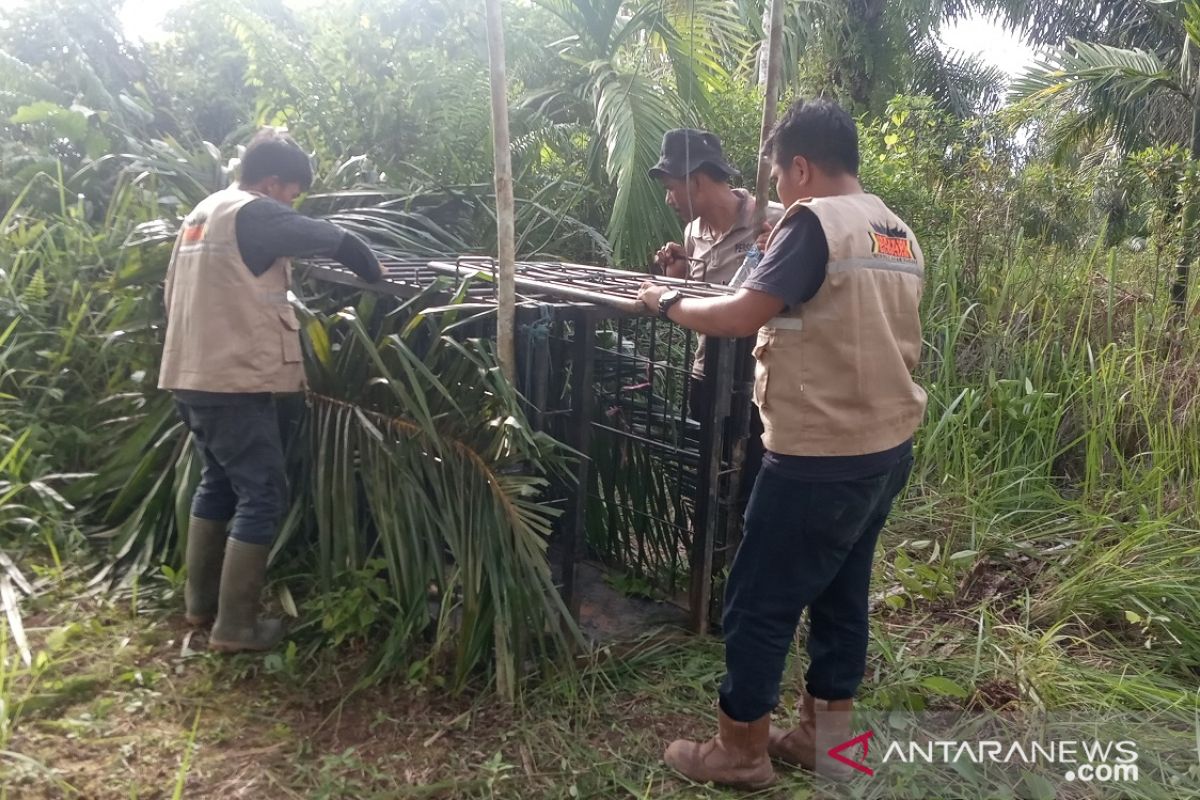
(1063, 436)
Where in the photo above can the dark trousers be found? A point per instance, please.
(244, 476)
(806, 544)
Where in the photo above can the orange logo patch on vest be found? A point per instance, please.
(193, 228)
(891, 242)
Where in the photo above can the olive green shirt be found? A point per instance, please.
(722, 254)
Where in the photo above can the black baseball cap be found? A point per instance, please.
(685, 150)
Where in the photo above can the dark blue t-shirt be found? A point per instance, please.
(793, 270)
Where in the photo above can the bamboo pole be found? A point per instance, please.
(762, 186)
(505, 207)
(742, 412)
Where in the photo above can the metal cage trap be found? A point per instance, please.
(656, 500)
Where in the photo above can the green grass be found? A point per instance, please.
(115, 685)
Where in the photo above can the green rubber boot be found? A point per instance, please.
(238, 627)
(205, 552)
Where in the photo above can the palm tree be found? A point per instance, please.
(867, 51)
(1144, 92)
(632, 69)
(630, 72)
(1121, 23)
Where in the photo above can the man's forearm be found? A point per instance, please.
(712, 316)
(355, 254)
(728, 317)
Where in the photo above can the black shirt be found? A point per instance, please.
(793, 270)
(268, 230)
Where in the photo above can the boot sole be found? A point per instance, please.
(836, 778)
(753, 786)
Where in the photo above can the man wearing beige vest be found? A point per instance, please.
(835, 306)
(232, 345)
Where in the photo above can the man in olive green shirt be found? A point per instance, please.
(719, 233)
(719, 218)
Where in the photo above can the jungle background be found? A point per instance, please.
(1044, 556)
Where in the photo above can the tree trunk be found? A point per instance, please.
(772, 69)
(764, 51)
(505, 206)
(863, 35)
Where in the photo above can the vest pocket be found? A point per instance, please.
(761, 371)
(290, 335)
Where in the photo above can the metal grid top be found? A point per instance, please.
(552, 283)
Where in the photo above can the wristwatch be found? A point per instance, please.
(667, 300)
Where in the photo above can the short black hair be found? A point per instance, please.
(821, 131)
(272, 154)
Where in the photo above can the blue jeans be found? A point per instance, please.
(244, 476)
(806, 545)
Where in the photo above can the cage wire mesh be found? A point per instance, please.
(651, 465)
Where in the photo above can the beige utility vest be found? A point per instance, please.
(227, 329)
(834, 374)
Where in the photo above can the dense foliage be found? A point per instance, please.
(1062, 444)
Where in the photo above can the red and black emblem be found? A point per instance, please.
(891, 241)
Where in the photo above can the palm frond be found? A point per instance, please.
(959, 83)
(632, 114)
(1131, 91)
(594, 22)
(698, 37)
(27, 83)
(1124, 23)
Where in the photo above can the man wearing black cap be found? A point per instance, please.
(718, 235)
(696, 176)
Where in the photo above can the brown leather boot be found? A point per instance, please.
(736, 756)
(824, 724)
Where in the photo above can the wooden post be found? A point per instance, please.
(762, 186)
(741, 362)
(717, 375)
(1190, 248)
(505, 207)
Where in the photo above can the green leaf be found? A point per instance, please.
(64, 121)
(41, 111)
